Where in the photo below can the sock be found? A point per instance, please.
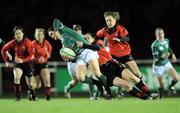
(69, 86)
(137, 93)
(103, 80)
(87, 80)
(17, 89)
(143, 87)
(99, 87)
(161, 90)
(32, 91)
(48, 91)
(119, 90)
(91, 90)
(173, 82)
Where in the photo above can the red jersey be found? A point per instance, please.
(116, 49)
(22, 50)
(104, 56)
(41, 50)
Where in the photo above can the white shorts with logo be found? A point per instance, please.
(86, 56)
(161, 70)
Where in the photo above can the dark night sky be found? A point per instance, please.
(140, 17)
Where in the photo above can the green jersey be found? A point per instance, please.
(158, 49)
(69, 36)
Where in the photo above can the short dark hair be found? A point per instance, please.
(114, 14)
(50, 29)
(18, 28)
(77, 27)
(92, 35)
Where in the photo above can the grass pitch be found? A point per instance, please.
(84, 105)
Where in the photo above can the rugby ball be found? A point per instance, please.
(67, 52)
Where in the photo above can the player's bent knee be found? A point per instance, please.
(81, 78)
(97, 73)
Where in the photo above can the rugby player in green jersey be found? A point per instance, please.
(83, 56)
(161, 51)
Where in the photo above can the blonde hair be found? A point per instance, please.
(159, 29)
(114, 14)
(37, 30)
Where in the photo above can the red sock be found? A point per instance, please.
(137, 93)
(17, 89)
(48, 91)
(143, 87)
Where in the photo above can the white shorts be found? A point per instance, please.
(86, 56)
(161, 70)
(71, 68)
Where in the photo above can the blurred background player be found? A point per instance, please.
(21, 46)
(72, 71)
(161, 51)
(42, 50)
(2, 43)
(118, 41)
(83, 56)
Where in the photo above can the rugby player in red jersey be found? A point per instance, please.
(42, 50)
(118, 38)
(115, 72)
(21, 46)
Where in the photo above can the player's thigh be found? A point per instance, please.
(17, 75)
(94, 67)
(80, 71)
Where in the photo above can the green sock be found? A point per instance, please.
(91, 90)
(69, 86)
(87, 80)
(103, 80)
(119, 90)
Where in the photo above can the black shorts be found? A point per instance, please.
(26, 67)
(111, 70)
(123, 59)
(38, 68)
